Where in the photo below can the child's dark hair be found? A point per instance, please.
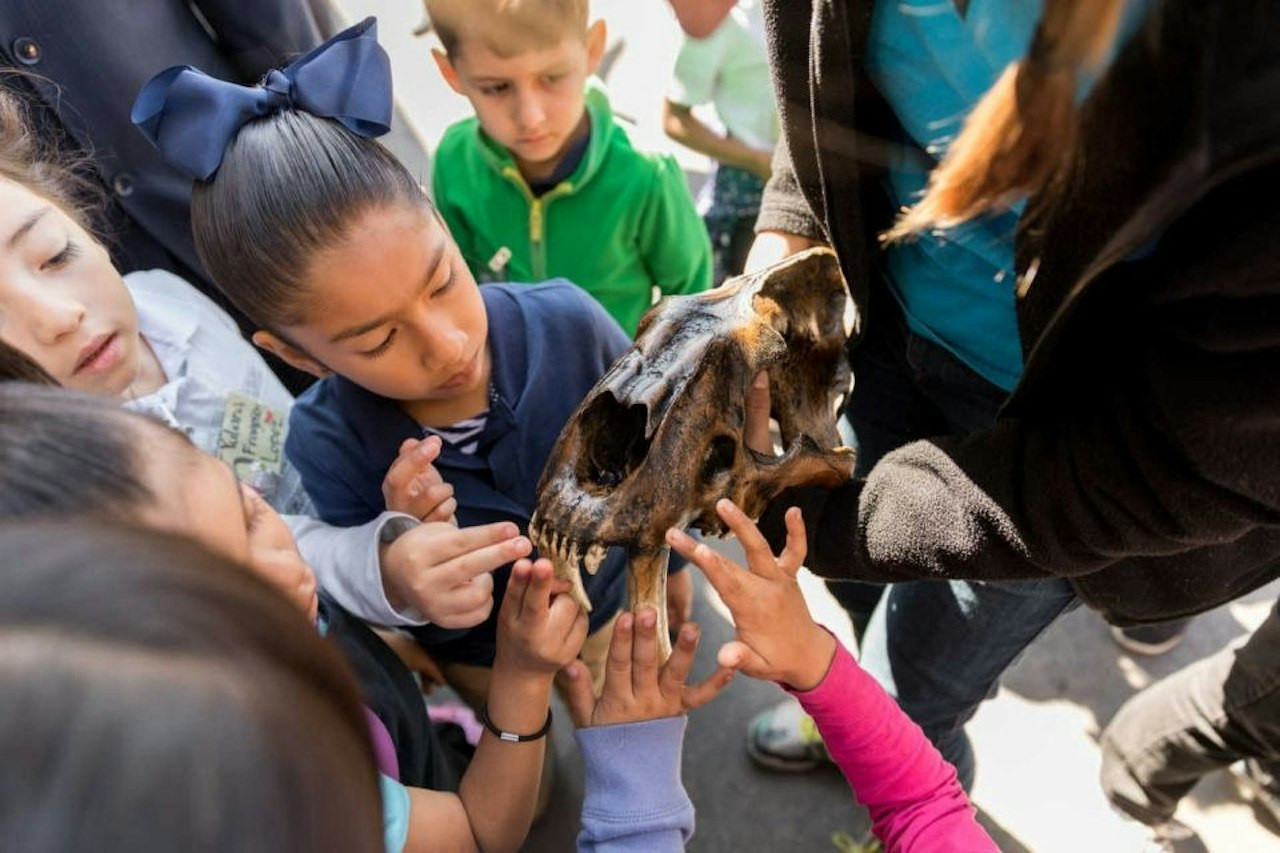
(69, 454)
(290, 185)
(155, 696)
(28, 160)
(16, 365)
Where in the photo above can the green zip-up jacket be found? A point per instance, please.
(620, 226)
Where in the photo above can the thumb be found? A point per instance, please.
(738, 655)
(758, 404)
(578, 694)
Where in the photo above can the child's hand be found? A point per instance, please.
(777, 638)
(634, 687)
(414, 486)
(444, 573)
(679, 598)
(538, 631)
(756, 433)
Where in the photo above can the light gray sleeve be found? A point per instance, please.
(345, 561)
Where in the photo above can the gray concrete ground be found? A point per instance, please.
(1036, 740)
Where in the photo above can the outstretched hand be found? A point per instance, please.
(446, 572)
(777, 638)
(635, 687)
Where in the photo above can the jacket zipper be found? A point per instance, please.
(537, 217)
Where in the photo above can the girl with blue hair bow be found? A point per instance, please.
(324, 240)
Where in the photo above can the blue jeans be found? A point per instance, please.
(939, 647)
(905, 388)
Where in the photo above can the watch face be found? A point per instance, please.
(395, 528)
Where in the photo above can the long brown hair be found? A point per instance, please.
(1016, 136)
(59, 176)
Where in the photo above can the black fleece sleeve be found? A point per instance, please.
(1172, 447)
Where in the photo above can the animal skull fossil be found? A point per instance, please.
(660, 438)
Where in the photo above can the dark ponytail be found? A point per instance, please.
(290, 185)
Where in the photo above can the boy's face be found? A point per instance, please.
(532, 103)
(394, 309)
(62, 302)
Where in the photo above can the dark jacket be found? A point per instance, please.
(86, 60)
(549, 344)
(1140, 454)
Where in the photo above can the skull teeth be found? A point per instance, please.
(566, 555)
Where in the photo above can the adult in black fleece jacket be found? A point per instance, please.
(1139, 456)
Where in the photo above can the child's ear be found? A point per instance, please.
(597, 33)
(290, 354)
(447, 71)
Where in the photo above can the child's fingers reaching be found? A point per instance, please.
(578, 693)
(644, 651)
(537, 595)
(618, 664)
(792, 556)
(756, 432)
(738, 655)
(720, 572)
(697, 695)
(484, 559)
(760, 557)
(564, 615)
(678, 666)
(517, 588)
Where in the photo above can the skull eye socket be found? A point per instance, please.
(617, 445)
(720, 457)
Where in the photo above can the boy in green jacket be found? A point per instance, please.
(542, 183)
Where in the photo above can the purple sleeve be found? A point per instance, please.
(913, 796)
(635, 801)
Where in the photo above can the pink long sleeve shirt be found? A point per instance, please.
(915, 801)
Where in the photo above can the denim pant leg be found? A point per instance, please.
(940, 647)
(1200, 719)
(906, 388)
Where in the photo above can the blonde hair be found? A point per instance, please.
(506, 27)
(1016, 136)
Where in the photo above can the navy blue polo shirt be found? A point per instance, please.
(549, 343)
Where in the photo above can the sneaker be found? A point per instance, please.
(785, 739)
(1259, 787)
(1150, 639)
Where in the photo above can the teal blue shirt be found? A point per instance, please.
(932, 65)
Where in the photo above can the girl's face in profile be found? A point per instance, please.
(394, 309)
(199, 496)
(62, 302)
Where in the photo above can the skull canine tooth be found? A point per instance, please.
(595, 556)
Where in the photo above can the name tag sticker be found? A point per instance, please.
(252, 440)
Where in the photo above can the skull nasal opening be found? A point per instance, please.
(617, 444)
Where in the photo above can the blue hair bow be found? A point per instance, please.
(192, 117)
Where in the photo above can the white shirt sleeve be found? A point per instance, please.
(345, 561)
